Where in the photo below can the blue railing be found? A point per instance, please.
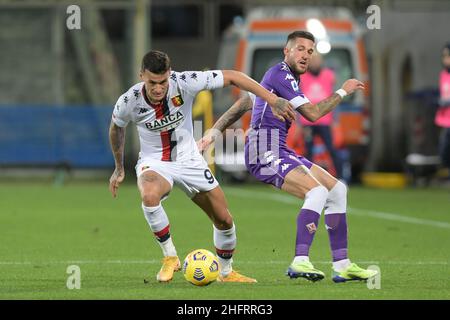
(75, 136)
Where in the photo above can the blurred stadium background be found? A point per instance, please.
(58, 88)
(58, 85)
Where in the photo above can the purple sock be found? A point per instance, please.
(307, 221)
(336, 224)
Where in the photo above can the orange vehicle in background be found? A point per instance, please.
(254, 44)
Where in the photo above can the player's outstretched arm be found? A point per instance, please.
(117, 142)
(281, 108)
(234, 113)
(313, 112)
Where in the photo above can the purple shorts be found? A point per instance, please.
(271, 164)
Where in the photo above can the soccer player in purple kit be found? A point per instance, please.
(270, 161)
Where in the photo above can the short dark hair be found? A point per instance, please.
(156, 61)
(300, 34)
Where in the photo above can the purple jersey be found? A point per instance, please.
(279, 80)
(266, 155)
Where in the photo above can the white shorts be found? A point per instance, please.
(192, 176)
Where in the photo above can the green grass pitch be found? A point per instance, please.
(44, 229)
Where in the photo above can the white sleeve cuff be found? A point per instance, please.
(214, 79)
(298, 101)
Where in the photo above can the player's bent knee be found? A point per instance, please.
(337, 199)
(151, 199)
(315, 199)
(319, 192)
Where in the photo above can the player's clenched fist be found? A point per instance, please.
(351, 85)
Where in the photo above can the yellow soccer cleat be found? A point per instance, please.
(353, 272)
(234, 276)
(170, 265)
(304, 269)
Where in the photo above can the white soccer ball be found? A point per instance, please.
(201, 267)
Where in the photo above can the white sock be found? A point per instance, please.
(225, 266)
(156, 217)
(315, 199)
(337, 199)
(225, 240)
(157, 220)
(301, 259)
(341, 265)
(168, 248)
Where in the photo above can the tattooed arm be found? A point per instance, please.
(236, 111)
(313, 112)
(117, 142)
(233, 114)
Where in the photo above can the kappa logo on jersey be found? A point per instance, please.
(173, 76)
(143, 110)
(125, 99)
(194, 76)
(285, 166)
(136, 93)
(177, 100)
(170, 121)
(183, 77)
(289, 77)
